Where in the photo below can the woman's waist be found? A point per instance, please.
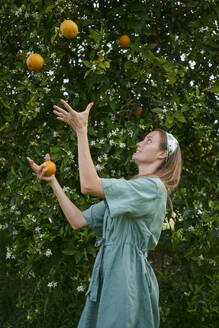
(103, 242)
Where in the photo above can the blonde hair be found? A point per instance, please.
(169, 172)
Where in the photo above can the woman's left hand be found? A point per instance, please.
(76, 120)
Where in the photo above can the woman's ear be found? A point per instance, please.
(162, 154)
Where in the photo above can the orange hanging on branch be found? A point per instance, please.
(124, 41)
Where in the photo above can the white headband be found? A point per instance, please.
(172, 145)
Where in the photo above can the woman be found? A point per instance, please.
(123, 291)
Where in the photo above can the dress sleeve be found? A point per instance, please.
(133, 198)
(94, 216)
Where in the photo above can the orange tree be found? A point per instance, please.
(170, 70)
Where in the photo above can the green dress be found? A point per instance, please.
(123, 290)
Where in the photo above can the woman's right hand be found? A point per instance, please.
(38, 169)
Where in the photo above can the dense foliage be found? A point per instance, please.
(171, 71)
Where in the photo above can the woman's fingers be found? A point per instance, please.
(89, 107)
(47, 157)
(68, 107)
(59, 110)
(42, 172)
(38, 169)
(61, 113)
(34, 166)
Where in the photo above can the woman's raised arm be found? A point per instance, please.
(89, 179)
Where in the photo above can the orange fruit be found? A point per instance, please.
(124, 41)
(35, 62)
(138, 111)
(51, 168)
(69, 29)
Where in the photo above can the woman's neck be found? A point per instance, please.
(146, 170)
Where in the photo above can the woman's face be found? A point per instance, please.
(147, 150)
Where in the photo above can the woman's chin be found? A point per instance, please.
(134, 157)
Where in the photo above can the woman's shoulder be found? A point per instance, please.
(161, 188)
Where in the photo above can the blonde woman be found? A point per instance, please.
(123, 291)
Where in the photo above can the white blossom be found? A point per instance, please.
(66, 189)
(3, 227)
(192, 64)
(9, 254)
(122, 145)
(101, 141)
(50, 220)
(111, 142)
(99, 168)
(80, 288)
(48, 252)
(37, 229)
(52, 284)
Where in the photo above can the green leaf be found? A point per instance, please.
(215, 89)
(172, 79)
(95, 35)
(87, 73)
(179, 116)
(68, 251)
(49, 8)
(157, 110)
(87, 64)
(53, 37)
(107, 64)
(12, 170)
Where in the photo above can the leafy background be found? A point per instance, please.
(171, 71)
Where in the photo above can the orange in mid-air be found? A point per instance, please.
(124, 41)
(51, 168)
(69, 29)
(35, 62)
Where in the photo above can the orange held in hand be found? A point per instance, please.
(51, 168)
(69, 29)
(35, 62)
(124, 41)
